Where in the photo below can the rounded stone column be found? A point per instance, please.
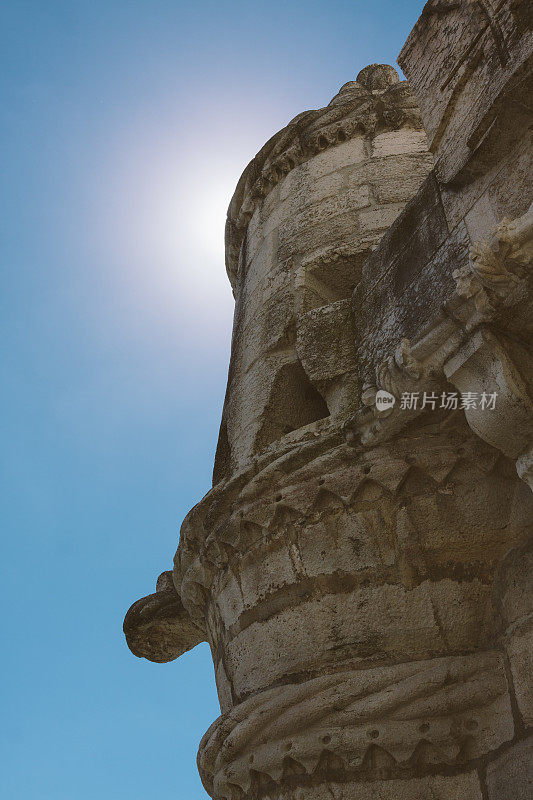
(306, 213)
(344, 588)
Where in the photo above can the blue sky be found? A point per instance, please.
(125, 126)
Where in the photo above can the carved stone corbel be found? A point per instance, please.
(497, 360)
(496, 276)
(398, 373)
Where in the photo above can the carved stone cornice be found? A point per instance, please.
(221, 525)
(240, 515)
(376, 101)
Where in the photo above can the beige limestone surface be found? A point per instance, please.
(364, 577)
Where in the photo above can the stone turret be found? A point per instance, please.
(307, 212)
(361, 574)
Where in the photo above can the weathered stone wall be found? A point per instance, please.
(364, 577)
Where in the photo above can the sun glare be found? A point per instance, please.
(205, 215)
(185, 231)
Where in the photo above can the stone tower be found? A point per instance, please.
(363, 576)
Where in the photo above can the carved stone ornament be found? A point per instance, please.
(497, 275)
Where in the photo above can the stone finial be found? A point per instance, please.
(378, 77)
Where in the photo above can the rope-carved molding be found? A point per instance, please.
(376, 101)
(421, 713)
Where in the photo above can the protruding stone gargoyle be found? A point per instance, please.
(158, 627)
(362, 576)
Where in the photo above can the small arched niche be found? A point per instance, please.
(293, 403)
